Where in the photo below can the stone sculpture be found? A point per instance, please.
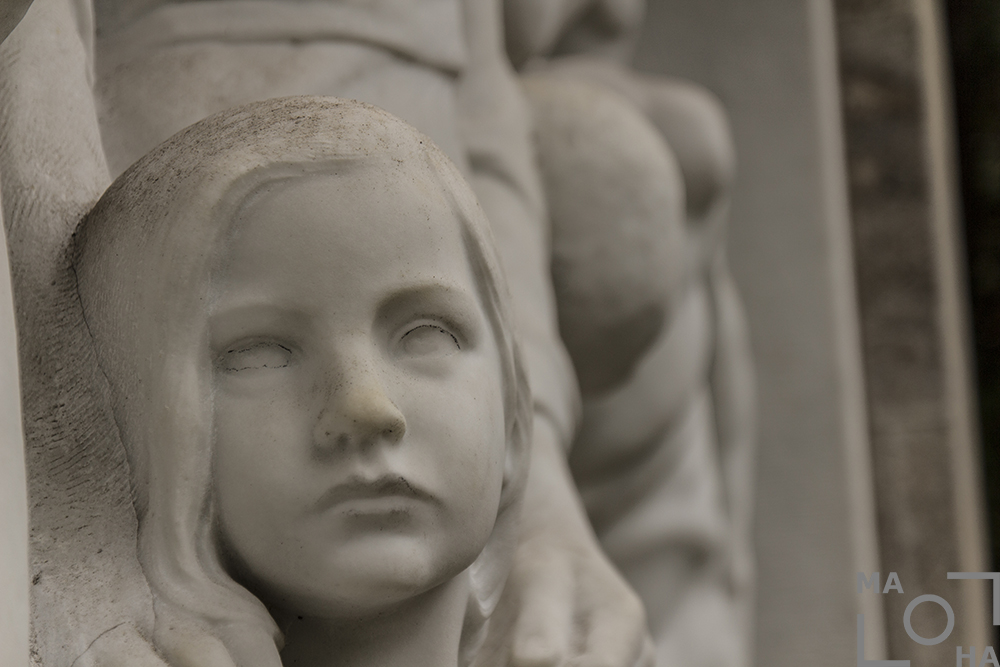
(451, 80)
(308, 343)
(87, 590)
(54, 166)
(440, 65)
(637, 172)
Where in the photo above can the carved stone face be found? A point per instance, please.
(359, 423)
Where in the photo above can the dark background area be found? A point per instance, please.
(974, 34)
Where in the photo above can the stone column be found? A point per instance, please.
(913, 310)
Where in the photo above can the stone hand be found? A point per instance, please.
(565, 604)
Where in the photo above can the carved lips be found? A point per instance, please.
(356, 491)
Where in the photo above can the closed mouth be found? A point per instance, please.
(359, 488)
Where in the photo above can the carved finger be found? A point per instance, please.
(617, 636)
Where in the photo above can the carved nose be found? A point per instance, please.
(358, 415)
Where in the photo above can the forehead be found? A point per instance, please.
(372, 221)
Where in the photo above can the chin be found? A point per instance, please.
(375, 575)
(365, 575)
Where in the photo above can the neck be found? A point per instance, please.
(422, 632)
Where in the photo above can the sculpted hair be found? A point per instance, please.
(143, 260)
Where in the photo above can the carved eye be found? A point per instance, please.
(255, 356)
(429, 339)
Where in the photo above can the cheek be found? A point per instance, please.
(460, 428)
(257, 475)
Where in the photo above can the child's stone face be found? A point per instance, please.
(359, 422)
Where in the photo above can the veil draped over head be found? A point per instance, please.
(143, 263)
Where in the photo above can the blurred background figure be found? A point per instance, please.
(638, 171)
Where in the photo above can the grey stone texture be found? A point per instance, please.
(902, 300)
